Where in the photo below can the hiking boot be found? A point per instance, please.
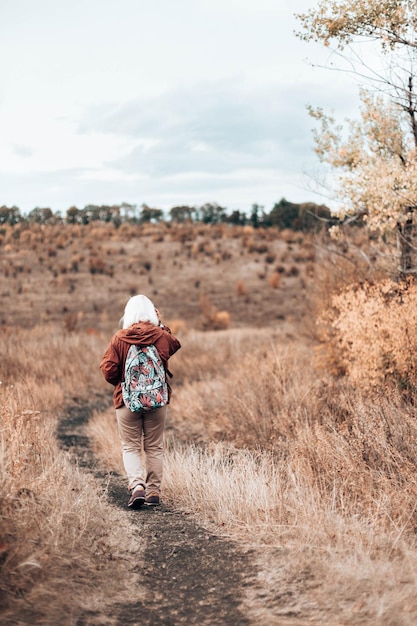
(152, 499)
(137, 497)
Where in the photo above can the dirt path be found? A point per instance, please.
(188, 575)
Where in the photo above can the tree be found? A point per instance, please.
(211, 213)
(238, 218)
(41, 216)
(10, 215)
(306, 216)
(284, 214)
(128, 212)
(257, 216)
(181, 213)
(376, 155)
(150, 215)
(73, 215)
(314, 217)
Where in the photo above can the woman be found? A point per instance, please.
(141, 325)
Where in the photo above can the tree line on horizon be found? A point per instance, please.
(307, 216)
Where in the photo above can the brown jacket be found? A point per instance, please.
(143, 334)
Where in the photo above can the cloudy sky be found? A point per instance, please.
(162, 102)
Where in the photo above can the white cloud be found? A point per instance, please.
(103, 102)
(22, 150)
(109, 175)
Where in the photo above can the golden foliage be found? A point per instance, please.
(371, 330)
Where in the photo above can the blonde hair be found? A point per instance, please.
(139, 309)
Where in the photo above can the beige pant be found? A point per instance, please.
(132, 428)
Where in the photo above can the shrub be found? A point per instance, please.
(370, 333)
(97, 266)
(274, 280)
(241, 289)
(178, 326)
(212, 318)
(293, 271)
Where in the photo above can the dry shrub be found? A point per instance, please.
(274, 280)
(222, 320)
(126, 232)
(178, 326)
(61, 242)
(310, 269)
(71, 321)
(209, 248)
(212, 318)
(183, 233)
(74, 263)
(372, 332)
(241, 289)
(203, 246)
(294, 270)
(197, 248)
(270, 258)
(254, 245)
(233, 231)
(291, 236)
(98, 266)
(307, 253)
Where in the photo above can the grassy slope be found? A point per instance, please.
(85, 274)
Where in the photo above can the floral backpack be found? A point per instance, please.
(144, 387)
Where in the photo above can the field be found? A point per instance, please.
(54, 273)
(291, 435)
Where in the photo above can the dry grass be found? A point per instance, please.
(55, 533)
(310, 469)
(299, 467)
(97, 267)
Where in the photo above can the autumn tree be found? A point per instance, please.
(376, 155)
